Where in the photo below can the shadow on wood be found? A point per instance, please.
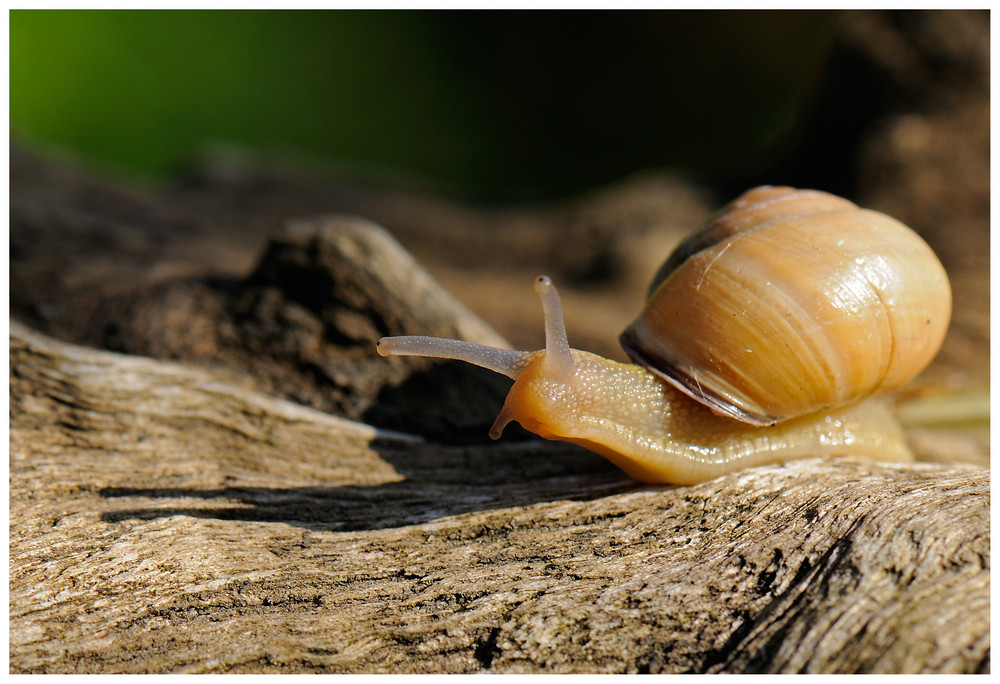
(166, 520)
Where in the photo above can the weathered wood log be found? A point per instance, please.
(303, 325)
(165, 520)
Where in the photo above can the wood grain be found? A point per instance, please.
(164, 520)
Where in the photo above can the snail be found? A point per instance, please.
(768, 334)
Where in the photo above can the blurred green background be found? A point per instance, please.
(502, 105)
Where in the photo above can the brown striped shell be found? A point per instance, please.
(792, 301)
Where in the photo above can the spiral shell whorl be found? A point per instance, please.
(824, 305)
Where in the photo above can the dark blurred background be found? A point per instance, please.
(498, 105)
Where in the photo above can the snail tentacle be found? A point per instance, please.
(504, 361)
(558, 356)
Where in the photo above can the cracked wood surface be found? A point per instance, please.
(165, 520)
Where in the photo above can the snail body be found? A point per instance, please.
(764, 336)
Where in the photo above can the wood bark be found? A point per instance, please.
(164, 520)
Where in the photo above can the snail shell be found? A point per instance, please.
(792, 301)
